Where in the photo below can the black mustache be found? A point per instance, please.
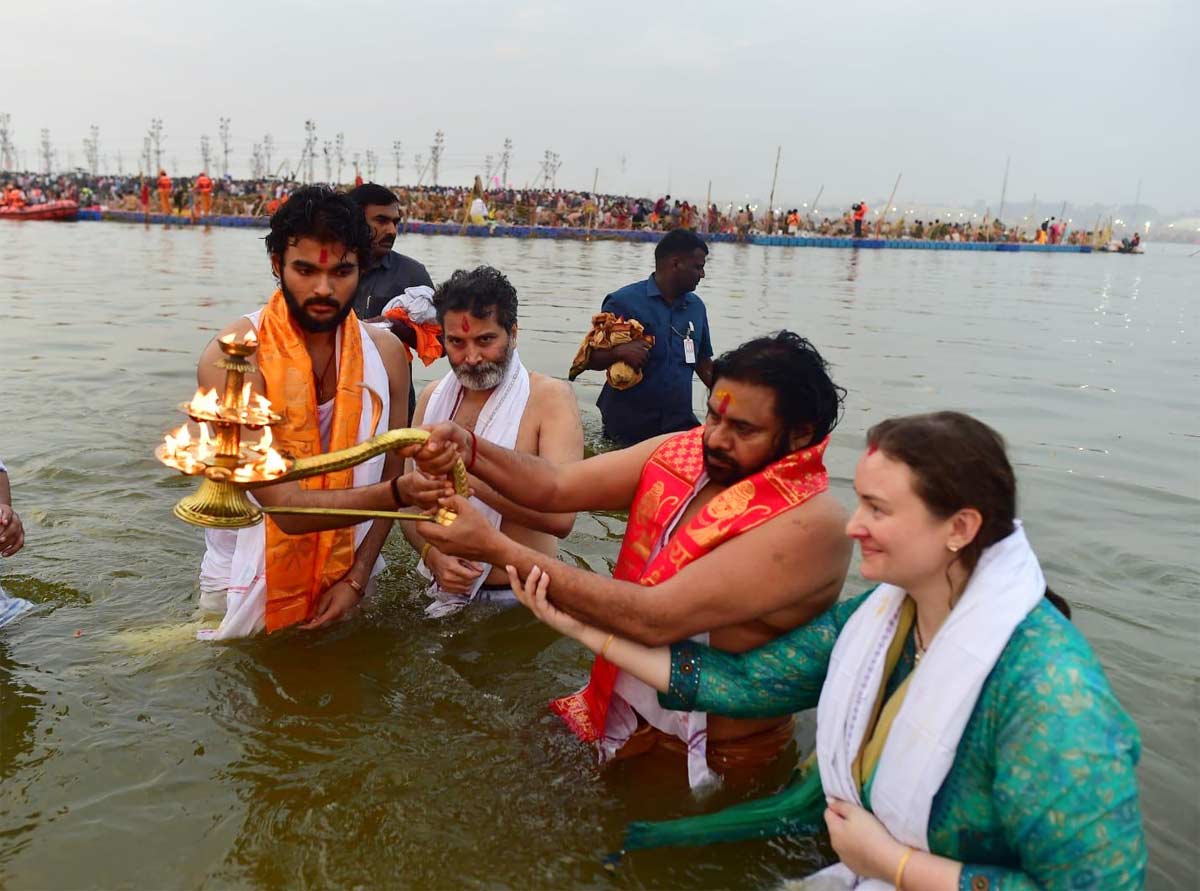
(320, 301)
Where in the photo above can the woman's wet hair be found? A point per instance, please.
(320, 213)
(790, 366)
(957, 462)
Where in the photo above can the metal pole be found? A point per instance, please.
(880, 221)
(771, 200)
(1004, 190)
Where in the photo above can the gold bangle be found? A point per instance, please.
(908, 852)
(425, 551)
(604, 649)
(358, 589)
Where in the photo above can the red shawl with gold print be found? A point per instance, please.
(666, 487)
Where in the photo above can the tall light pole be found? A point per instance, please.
(156, 138)
(91, 149)
(7, 161)
(205, 151)
(47, 151)
(256, 161)
(435, 154)
(339, 154)
(268, 146)
(371, 160)
(310, 147)
(223, 130)
(327, 151)
(505, 159)
(399, 157)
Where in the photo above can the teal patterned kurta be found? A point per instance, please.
(1042, 792)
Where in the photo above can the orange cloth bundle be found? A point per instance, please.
(609, 331)
(428, 334)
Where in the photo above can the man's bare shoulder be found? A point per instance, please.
(239, 327)
(542, 386)
(388, 344)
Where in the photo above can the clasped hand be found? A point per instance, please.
(861, 841)
(447, 443)
(12, 533)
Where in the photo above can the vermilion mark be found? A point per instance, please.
(466, 326)
(872, 449)
(324, 255)
(723, 399)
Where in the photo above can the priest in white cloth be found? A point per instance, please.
(491, 394)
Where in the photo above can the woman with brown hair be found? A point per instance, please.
(966, 734)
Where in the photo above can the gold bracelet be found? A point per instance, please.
(604, 649)
(908, 852)
(358, 589)
(425, 551)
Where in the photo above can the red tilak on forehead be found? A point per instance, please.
(466, 326)
(324, 255)
(724, 397)
(872, 449)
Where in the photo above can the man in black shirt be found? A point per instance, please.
(390, 273)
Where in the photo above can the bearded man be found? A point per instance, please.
(732, 539)
(492, 398)
(316, 362)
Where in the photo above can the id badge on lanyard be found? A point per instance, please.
(689, 346)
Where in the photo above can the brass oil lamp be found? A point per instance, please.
(228, 467)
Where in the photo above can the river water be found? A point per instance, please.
(395, 750)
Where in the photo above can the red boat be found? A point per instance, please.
(53, 210)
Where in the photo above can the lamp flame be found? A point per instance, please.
(264, 442)
(250, 338)
(205, 402)
(273, 464)
(263, 403)
(228, 338)
(246, 395)
(244, 474)
(206, 447)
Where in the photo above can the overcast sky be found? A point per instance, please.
(1087, 97)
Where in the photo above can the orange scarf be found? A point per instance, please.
(302, 567)
(665, 489)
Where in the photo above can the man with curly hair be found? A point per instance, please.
(316, 363)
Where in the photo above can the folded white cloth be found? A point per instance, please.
(417, 301)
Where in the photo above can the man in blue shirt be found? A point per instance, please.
(669, 311)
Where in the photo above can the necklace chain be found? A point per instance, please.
(920, 644)
(320, 379)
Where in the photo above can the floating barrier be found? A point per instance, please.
(635, 235)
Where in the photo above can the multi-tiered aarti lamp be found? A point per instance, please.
(227, 467)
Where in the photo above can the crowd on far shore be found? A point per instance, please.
(551, 207)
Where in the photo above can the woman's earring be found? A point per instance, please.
(953, 548)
